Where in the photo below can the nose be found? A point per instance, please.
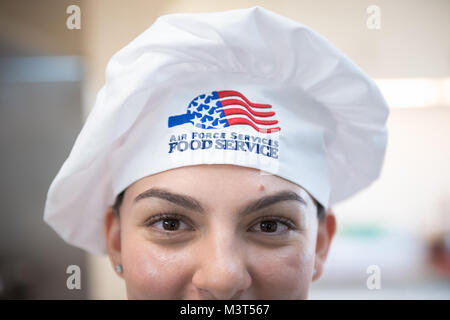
(222, 272)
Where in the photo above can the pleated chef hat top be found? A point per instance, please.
(246, 87)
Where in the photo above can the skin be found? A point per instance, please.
(218, 253)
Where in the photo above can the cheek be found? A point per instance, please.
(153, 271)
(283, 273)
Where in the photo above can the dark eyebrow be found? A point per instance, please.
(270, 200)
(178, 199)
(192, 204)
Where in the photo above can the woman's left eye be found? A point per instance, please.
(271, 226)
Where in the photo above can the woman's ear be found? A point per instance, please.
(325, 233)
(112, 237)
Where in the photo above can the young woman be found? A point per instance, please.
(214, 151)
(217, 232)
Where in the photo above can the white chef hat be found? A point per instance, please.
(246, 87)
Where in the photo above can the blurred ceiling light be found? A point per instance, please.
(415, 92)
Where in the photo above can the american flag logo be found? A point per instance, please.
(221, 109)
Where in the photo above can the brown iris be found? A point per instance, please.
(171, 224)
(268, 226)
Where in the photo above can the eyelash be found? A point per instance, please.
(174, 216)
(162, 216)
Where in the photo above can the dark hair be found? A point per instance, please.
(118, 203)
(119, 199)
(320, 210)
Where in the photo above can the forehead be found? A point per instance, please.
(211, 181)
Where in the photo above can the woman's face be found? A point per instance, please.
(217, 232)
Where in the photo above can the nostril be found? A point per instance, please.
(206, 294)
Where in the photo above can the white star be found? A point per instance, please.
(220, 125)
(204, 112)
(201, 100)
(196, 121)
(216, 115)
(208, 123)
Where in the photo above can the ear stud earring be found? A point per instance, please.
(119, 268)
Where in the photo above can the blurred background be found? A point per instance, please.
(397, 230)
